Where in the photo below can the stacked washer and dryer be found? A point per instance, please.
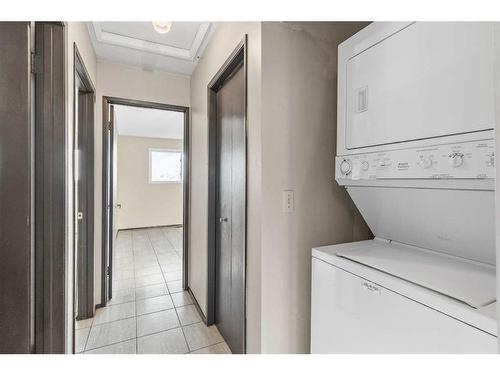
(415, 151)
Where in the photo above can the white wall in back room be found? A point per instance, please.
(145, 204)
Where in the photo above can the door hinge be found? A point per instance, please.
(107, 271)
(33, 62)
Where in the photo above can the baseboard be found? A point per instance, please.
(197, 305)
(154, 226)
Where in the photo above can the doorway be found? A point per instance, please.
(144, 207)
(226, 306)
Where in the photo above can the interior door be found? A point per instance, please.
(230, 209)
(16, 260)
(110, 141)
(84, 200)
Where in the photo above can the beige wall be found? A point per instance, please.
(299, 81)
(291, 145)
(223, 42)
(128, 82)
(76, 33)
(145, 204)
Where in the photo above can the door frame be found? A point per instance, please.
(106, 102)
(236, 60)
(84, 278)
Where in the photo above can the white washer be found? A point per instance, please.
(368, 297)
(415, 151)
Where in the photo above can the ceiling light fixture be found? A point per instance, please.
(162, 27)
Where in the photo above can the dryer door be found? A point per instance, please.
(428, 80)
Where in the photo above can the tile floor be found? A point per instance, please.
(149, 313)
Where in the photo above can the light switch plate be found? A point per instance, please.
(288, 201)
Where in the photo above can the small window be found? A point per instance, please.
(165, 166)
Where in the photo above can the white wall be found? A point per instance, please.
(223, 42)
(144, 204)
(128, 82)
(497, 152)
(76, 33)
(299, 86)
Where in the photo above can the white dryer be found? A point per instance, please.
(415, 151)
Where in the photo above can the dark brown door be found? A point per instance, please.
(50, 188)
(84, 185)
(110, 150)
(230, 210)
(16, 261)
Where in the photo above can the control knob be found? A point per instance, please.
(345, 167)
(456, 159)
(425, 162)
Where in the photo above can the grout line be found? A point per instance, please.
(178, 327)
(152, 334)
(105, 346)
(112, 321)
(149, 334)
(150, 313)
(208, 346)
(87, 339)
(176, 313)
(135, 257)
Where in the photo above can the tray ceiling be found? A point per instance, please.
(137, 43)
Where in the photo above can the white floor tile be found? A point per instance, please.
(155, 304)
(156, 278)
(172, 276)
(122, 296)
(141, 317)
(81, 336)
(147, 271)
(111, 333)
(181, 299)
(174, 286)
(220, 348)
(188, 315)
(167, 342)
(86, 323)
(156, 322)
(123, 284)
(151, 291)
(115, 312)
(199, 336)
(125, 347)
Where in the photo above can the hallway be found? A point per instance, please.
(149, 313)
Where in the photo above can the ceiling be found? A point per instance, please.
(137, 43)
(148, 122)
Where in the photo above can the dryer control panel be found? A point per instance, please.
(466, 160)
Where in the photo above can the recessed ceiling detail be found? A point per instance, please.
(137, 43)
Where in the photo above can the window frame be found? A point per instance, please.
(171, 150)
